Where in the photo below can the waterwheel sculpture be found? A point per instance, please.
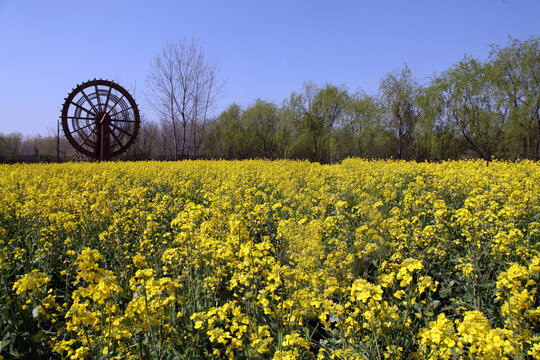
(100, 119)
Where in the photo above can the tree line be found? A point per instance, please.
(475, 109)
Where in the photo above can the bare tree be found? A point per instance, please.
(183, 88)
(10, 144)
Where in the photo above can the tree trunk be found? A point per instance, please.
(523, 140)
(537, 147)
(182, 154)
(175, 138)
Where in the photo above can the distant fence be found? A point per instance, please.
(32, 159)
(13, 159)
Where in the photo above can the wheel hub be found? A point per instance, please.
(102, 118)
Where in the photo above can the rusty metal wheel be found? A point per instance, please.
(100, 119)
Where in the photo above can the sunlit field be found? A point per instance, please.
(270, 260)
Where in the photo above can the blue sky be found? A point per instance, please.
(265, 49)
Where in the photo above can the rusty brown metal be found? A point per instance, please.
(100, 119)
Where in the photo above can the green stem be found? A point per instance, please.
(148, 318)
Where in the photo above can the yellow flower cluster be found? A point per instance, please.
(270, 259)
(30, 283)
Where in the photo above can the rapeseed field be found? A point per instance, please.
(270, 260)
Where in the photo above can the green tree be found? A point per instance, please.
(226, 137)
(290, 125)
(471, 105)
(261, 124)
(398, 91)
(436, 137)
(320, 110)
(516, 70)
(360, 132)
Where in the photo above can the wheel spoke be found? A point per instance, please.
(116, 138)
(122, 130)
(83, 109)
(84, 127)
(79, 118)
(90, 102)
(121, 111)
(107, 100)
(98, 98)
(123, 120)
(87, 137)
(116, 103)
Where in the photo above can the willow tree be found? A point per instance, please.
(315, 114)
(398, 91)
(516, 70)
(472, 106)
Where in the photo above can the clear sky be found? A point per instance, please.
(266, 49)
